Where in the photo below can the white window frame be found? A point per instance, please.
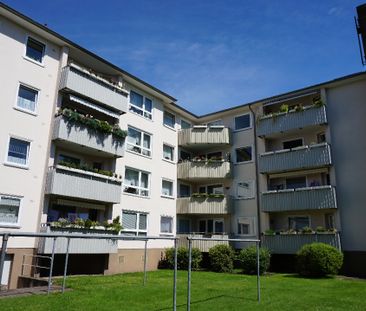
(17, 224)
(143, 106)
(172, 220)
(42, 64)
(175, 120)
(35, 112)
(252, 226)
(214, 220)
(244, 128)
(142, 133)
(137, 230)
(252, 153)
(165, 195)
(138, 188)
(171, 146)
(252, 182)
(208, 185)
(6, 162)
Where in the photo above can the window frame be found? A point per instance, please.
(252, 227)
(175, 120)
(253, 190)
(172, 196)
(214, 220)
(25, 56)
(142, 133)
(8, 163)
(173, 153)
(137, 230)
(35, 112)
(17, 224)
(172, 225)
(138, 188)
(252, 154)
(244, 128)
(143, 109)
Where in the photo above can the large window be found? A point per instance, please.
(35, 50)
(245, 189)
(184, 191)
(211, 226)
(168, 152)
(169, 119)
(167, 188)
(292, 143)
(296, 182)
(139, 142)
(243, 154)
(212, 189)
(242, 122)
(134, 223)
(27, 98)
(298, 223)
(9, 210)
(166, 225)
(18, 152)
(141, 105)
(184, 225)
(136, 182)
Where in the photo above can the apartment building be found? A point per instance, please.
(89, 147)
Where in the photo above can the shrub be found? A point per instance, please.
(182, 258)
(248, 260)
(319, 259)
(221, 258)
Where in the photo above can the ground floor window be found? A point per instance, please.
(9, 210)
(134, 223)
(166, 225)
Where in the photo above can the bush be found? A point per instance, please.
(221, 258)
(248, 260)
(319, 259)
(182, 258)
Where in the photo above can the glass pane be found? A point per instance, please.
(298, 223)
(27, 98)
(184, 191)
(18, 151)
(292, 143)
(136, 99)
(144, 180)
(296, 182)
(134, 136)
(148, 104)
(129, 220)
(242, 122)
(215, 189)
(219, 226)
(184, 226)
(185, 125)
(9, 209)
(202, 226)
(244, 154)
(35, 50)
(136, 110)
(143, 222)
(210, 226)
(166, 224)
(169, 119)
(147, 139)
(167, 188)
(168, 152)
(131, 177)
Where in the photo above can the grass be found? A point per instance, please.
(210, 291)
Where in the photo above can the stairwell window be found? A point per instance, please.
(136, 182)
(243, 154)
(169, 119)
(27, 98)
(167, 188)
(166, 225)
(246, 226)
(242, 122)
(138, 141)
(141, 105)
(168, 152)
(134, 223)
(18, 152)
(35, 50)
(9, 210)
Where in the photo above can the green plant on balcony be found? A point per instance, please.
(87, 168)
(307, 230)
(299, 108)
(317, 102)
(199, 195)
(114, 225)
(269, 232)
(284, 108)
(288, 231)
(320, 229)
(216, 195)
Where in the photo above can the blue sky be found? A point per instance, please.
(212, 55)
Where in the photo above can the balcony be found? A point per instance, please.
(205, 245)
(80, 184)
(282, 122)
(201, 136)
(200, 170)
(77, 245)
(205, 205)
(80, 81)
(80, 137)
(301, 199)
(291, 243)
(304, 157)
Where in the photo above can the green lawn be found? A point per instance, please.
(210, 291)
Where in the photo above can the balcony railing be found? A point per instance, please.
(204, 170)
(283, 122)
(80, 82)
(77, 245)
(81, 135)
(77, 183)
(291, 243)
(204, 135)
(203, 246)
(303, 157)
(206, 205)
(301, 199)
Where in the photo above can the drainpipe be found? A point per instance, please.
(256, 172)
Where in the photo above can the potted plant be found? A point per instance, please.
(269, 232)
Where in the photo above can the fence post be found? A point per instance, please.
(51, 267)
(175, 275)
(2, 256)
(258, 277)
(66, 263)
(189, 274)
(145, 262)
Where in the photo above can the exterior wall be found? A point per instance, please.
(346, 114)
(35, 128)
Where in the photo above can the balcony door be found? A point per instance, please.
(211, 226)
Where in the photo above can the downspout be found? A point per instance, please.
(256, 172)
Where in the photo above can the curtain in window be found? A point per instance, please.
(166, 224)
(167, 187)
(9, 209)
(18, 151)
(144, 180)
(168, 152)
(27, 98)
(136, 99)
(134, 137)
(143, 222)
(131, 177)
(129, 220)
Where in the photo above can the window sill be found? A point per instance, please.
(26, 111)
(243, 129)
(169, 161)
(34, 61)
(169, 127)
(24, 167)
(136, 195)
(167, 197)
(10, 226)
(167, 234)
(139, 154)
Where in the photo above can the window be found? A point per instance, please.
(184, 226)
(242, 122)
(71, 211)
(136, 182)
(169, 119)
(167, 188)
(292, 143)
(297, 223)
(211, 189)
(27, 98)
(18, 152)
(9, 210)
(295, 182)
(35, 50)
(184, 191)
(139, 142)
(329, 221)
(64, 159)
(134, 223)
(166, 225)
(245, 225)
(243, 154)
(211, 226)
(245, 189)
(168, 152)
(321, 138)
(185, 156)
(185, 125)
(141, 105)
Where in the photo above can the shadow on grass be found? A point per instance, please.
(298, 276)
